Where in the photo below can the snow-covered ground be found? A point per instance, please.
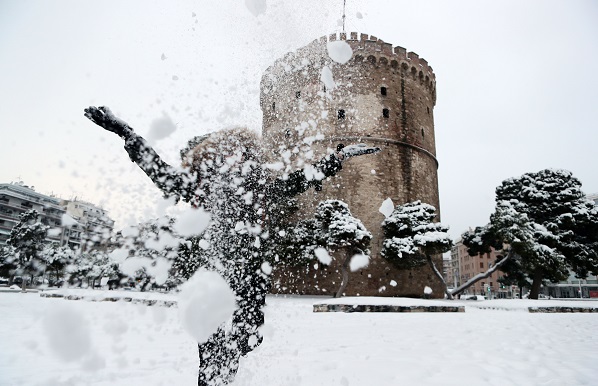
(52, 341)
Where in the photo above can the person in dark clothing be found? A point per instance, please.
(223, 172)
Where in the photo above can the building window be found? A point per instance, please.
(385, 113)
(297, 94)
(481, 264)
(383, 91)
(273, 106)
(341, 114)
(423, 133)
(428, 110)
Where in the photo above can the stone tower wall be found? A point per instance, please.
(301, 123)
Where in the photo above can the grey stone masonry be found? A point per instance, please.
(384, 308)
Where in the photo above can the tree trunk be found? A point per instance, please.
(481, 276)
(345, 273)
(439, 275)
(536, 284)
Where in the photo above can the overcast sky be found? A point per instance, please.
(517, 86)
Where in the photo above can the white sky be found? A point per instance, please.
(517, 86)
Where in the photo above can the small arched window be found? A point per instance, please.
(341, 114)
(383, 91)
(273, 106)
(385, 113)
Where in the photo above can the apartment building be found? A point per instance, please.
(464, 267)
(17, 198)
(96, 225)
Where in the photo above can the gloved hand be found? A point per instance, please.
(345, 152)
(102, 116)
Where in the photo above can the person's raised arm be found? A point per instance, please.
(298, 181)
(172, 182)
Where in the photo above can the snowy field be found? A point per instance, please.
(48, 341)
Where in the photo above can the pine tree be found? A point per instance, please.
(27, 238)
(549, 225)
(333, 228)
(7, 262)
(56, 259)
(412, 238)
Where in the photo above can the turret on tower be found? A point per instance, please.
(383, 96)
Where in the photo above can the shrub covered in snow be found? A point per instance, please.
(411, 238)
(27, 238)
(332, 229)
(548, 223)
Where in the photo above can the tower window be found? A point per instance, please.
(383, 91)
(422, 132)
(273, 106)
(385, 113)
(428, 110)
(297, 94)
(341, 114)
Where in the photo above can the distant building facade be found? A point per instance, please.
(96, 225)
(464, 267)
(16, 198)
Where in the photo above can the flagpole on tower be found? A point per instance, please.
(344, 4)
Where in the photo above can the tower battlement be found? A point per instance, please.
(366, 49)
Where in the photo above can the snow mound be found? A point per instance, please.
(68, 221)
(161, 128)
(386, 208)
(205, 302)
(192, 222)
(256, 7)
(427, 290)
(322, 256)
(67, 332)
(339, 51)
(327, 79)
(359, 261)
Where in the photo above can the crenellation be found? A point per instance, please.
(387, 48)
(401, 52)
(413, 57)
(396, 56)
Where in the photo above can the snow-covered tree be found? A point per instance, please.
(412, 238)
(7, 262)
(27, 238)
(56, 259)
(333, 229)
(90, 267)
(149, 252)
(549, 226)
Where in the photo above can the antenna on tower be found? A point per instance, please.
(344, 5)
